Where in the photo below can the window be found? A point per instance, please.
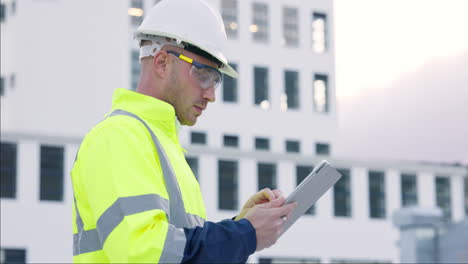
(262, 144)
(230, 87)
(377, 194)
(261, 87)
(193, 163)
(10, 255)
(2, 86)
(292, 146)
(290, 27)
(342, 194)
(2, 12)
(231, 141)
(136, 12)
(320, 93)
(13, 7)
(198, 138)
(229, 14)
(466, 196)
(443, 196)
(135, 77)
(409, 192)
(12, 80)
(8, 170)
(266, 175)
(322, 149)
(319, 32)
(51, 181)
(291, 85)
(301, 173)
(259, 27)
(227, 184)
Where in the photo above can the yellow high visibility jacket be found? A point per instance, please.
(134, 191)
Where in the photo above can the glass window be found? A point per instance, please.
(227, 184)
(377, 194)
(10, 255)
(259, 26)
(342, 194)
(231, 141)
(230, 87)
(229, 14)
(290, 26)
(409, 190)
(51, 181)
(293, 146)
(2, 86)
(443, 196)
(320, 93)
(262, 143)
(261, 87)
(198, 138)
(466, 196)
(302, 171)
(135, 74)
(8, 170)
(13, 7)
(12, 80)
(2, 12)
(266, 175)
(291, 85)
(193, 163)
(319, 32)
(136, 11)
(322, 149)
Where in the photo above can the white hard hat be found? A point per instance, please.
(189, 21)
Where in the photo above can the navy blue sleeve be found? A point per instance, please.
(227, 241)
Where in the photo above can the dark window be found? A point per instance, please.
(320, 93)
(230, 141)
(291, 85)
(193, 163)
(230, 87)
(261, 86)
(409, 192)
(301, 173)
(2, 12)
(8, 170)
(198, 138)
(262, 144)
(10, 255)
(136, 12)
(342, 194)
(135, 69)
(229, 15)
(377, 194)
(51, 184)
(266, 175)
(227, 184)
(466, 196)
(2, 86)
(322, 149)
(443, 196)
(293, 146)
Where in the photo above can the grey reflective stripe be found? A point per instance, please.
(177, 215)
(93, 240)
(174, 246)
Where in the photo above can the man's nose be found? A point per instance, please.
(209, 94)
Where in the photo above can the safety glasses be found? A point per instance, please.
(206, 76)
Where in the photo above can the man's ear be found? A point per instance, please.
(161, 63)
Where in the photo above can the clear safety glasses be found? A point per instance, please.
(206, 76)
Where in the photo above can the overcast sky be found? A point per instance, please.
(402, 79)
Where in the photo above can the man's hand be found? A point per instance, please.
(264, 196)
(268, 220)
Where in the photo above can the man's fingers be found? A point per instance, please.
(277, 193)
(287, 209)
(269, 194)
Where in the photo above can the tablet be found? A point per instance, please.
(322, 178)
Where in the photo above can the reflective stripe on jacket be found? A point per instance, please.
(136, 199)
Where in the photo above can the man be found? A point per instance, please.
(136, 199)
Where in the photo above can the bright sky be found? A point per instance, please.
(378, 40)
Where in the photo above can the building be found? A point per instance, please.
(61, 61)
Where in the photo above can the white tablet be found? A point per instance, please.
(322, 178)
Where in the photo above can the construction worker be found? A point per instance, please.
(136, 199)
